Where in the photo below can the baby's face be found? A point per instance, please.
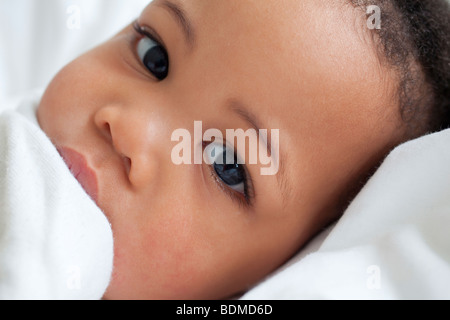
(306, 68)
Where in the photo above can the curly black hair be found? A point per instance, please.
(414, 39)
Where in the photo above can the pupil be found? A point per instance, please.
(156, 61)
(231, 174)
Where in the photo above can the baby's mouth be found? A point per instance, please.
(80, 169)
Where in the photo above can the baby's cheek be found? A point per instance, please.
(179, 255)
(66, 103)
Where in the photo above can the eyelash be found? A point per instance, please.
(242, 199)
(146, 32)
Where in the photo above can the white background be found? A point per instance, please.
(39, 37)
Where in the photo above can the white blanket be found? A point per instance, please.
(54, 241)
(393, 242)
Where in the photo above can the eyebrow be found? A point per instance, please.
(177, 11)
(283, 182)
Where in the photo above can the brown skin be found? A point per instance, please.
(303, 67)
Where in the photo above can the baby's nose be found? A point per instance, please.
(130, 137)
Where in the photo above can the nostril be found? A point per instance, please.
(107, 131)
(127, 164)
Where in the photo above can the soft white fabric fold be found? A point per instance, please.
(55, 243)
(393, 242)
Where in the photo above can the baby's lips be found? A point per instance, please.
(80, 169)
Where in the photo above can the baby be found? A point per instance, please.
(341, 88)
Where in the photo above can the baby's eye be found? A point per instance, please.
(154, 57)
(230, 172)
